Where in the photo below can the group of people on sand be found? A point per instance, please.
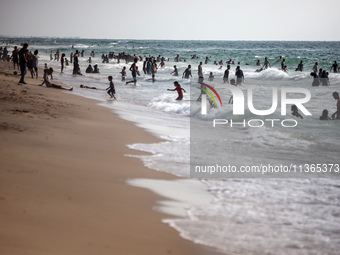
(24, 59)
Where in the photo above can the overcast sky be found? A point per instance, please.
(316, 20)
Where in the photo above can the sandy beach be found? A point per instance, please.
(63, 178)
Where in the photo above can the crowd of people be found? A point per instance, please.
(24, 59)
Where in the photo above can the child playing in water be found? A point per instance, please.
(179, 90)
(123, 72)
(295, 111)
(111, 90)
(211, 77)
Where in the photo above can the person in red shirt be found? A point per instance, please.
(179, 90)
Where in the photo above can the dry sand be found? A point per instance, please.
(62, 178)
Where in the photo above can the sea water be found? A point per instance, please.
(245, 215)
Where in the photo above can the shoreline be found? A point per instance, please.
(63, 178)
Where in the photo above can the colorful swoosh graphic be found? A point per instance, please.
(218, 96)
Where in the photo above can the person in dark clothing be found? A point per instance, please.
(23, 62)
(239, 75)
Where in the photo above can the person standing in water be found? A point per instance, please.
(300, 67)
(175, 71)
(239, 75)
(111, 89)
(134, 72)
(336, 115)
(187, 72)
(75, 63)
(200, 70)
(335, 67)
(266, 63)
(226, 75)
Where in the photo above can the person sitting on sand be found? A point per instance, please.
(47, 81)
(324, 115)
(178, 89)
(86, 87)
(295, 111)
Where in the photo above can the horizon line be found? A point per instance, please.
(155, 39)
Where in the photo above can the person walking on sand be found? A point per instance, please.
(336, 115)
(15, 58)
(111, 89)
(179, 90)
(23, 62)
(35, 63)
